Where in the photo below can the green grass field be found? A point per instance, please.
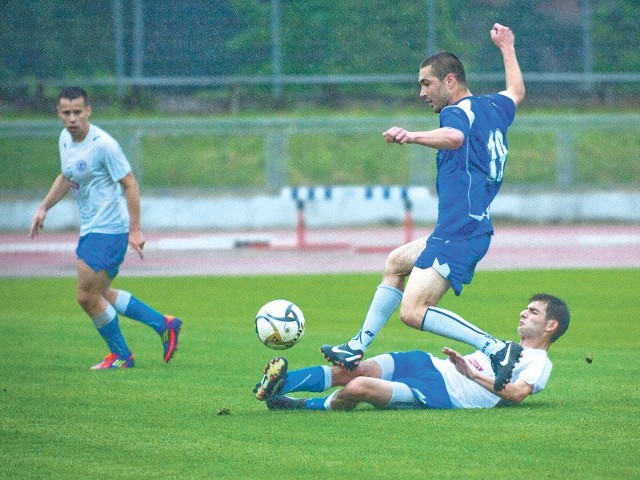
(61, 420)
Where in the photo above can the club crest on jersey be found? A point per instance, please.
(81, 166)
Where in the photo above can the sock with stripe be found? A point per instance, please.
(385, 301)
(129, 306)
(448, 324)
(310, 379)
(107, 325)
(320, 403)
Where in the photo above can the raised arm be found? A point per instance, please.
(58, 190)
(504, 39)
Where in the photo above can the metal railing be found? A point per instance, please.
(277, 131)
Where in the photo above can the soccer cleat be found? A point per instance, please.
(170, 337)
(282, 402)
(275, 373)
(503, 363)
(114, 361)
(342, 355)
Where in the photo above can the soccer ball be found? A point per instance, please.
(279, 324)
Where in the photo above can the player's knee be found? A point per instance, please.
(87, 299)
(394, 272)
(356, 390)
(411, 316)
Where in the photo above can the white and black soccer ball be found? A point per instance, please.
(279, 324)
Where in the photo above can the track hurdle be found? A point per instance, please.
(367, 201)
(300, 195)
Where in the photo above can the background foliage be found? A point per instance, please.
(43, 39)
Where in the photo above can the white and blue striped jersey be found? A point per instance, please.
(469, 177)
(94, 167)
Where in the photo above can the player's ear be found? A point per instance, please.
(551, 326)
(450, 80)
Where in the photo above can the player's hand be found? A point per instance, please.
(459, 362)
(38, 223)
(397, 135)
(502, 36)
(137, 241)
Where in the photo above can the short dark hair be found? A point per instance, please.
(444, 63)
(71, 93)
(556, 309)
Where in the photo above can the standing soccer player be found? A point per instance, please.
(471, 149)
(106, 191)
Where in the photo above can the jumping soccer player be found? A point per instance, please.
(471, 149)
(106, 191)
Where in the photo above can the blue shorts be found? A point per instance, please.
(102, 251)
(416, 370)
(455, 260)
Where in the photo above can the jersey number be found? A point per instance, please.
(498, 156)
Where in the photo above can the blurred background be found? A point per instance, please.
(233, 99)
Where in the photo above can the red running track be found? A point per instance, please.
(325, 251)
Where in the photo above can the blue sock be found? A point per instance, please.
(129, 306)
(320, 403)
(111, 333)
(310, 379)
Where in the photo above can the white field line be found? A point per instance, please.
(228, 242)
(205, 242)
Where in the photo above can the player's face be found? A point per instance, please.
(533, 320)
(433, 90)
(75, 117)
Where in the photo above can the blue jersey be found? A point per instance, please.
(469, 177)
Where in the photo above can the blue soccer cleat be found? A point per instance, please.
(170, 337)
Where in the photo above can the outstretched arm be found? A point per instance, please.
(58, 190)
(505, 40)
(441, 138)
(512, 392)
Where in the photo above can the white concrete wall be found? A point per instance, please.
(347, 206)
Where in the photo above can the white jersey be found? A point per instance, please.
(94, 167)
(534, 368)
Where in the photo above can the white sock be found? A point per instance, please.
(447, 324)
(385, 301)
(327, 402)
(122, 301)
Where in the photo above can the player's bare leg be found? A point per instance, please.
(91, 288)
(425, 288)
(374, 391)
(385, 301)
